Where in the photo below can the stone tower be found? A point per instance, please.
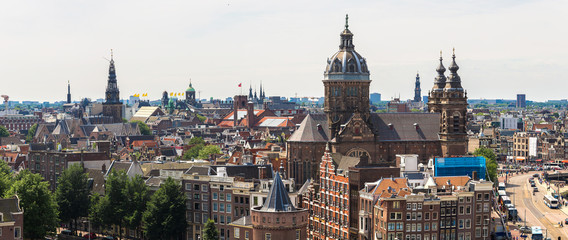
(450, 100)
(112, 107)
(190, 95)
(346, 81)
(277, 218)
(417, 90)
(68, 92)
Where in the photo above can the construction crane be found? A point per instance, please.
(6, 98)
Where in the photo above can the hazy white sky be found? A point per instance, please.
(503, 47)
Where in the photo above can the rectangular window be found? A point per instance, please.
(196, 187)
(407, 216)
(228, 208)
(419, 227)
(204, 188)
(468, 210)
(396, 204)
(391, 226)
(17, 232)
(435, 216)
(419, 206)
(215, 196)
(461, 224)
(414, 227)
(434, 237)
(434, 227)
(408, 206)
(427, 216)
(477, 232)
(236, 233)
(229, 197)
(188, 186)
(221, 197)
(426, 226)
(267, 236)
(426, 237)
(399, 226)
(461, 210)
(205, 207)
(467, 236)
(408, 226)
(486, 207)
(419, 216)
(221, 207)
(298, 234)
(222, 219)
(468, 223)
(215, 207)
(205, 197)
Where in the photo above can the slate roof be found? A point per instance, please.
(309, 131)
(344, 162)
(414, 176)
(244, 221)
(199, 170)
(246, 171)
(403, 128)
(278, 199)
(9, 206)
(96, 180)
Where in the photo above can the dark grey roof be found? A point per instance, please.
(244, 221)
(414, 176)
(305, 187)
(404, 128)
(246, 171)
(9, 206)
(117, 166)
(199, 170)
(96, 180)
(309, 130)
(278, 199)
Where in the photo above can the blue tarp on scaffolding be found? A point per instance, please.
(459, 166)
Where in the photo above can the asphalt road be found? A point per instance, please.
(532, 208)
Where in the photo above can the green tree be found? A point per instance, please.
(193, 152)
(40, 208)
(4, 132)
(72, 195)
(165, 215)
(6, 178)
(137, 195)
(144, 129)
(114, 207)
(31, 133)
(210, 232)
(490, 162)
(196, 140)
(209, 150)
(200, 117)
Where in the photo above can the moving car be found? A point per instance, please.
(525, 229)
(90, 235)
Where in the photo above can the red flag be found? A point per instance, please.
(240, 84)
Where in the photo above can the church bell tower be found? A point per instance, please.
(112, 107)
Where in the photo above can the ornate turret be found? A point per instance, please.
(417, 90)
(112, 92)
(454, 81)
(190, 95)
(68, 92)
(112, 107)
(346, 81)
(440, 80)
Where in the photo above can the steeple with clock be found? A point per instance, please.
(112, 107)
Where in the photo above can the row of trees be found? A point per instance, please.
(127, 203)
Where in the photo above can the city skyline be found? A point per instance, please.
(509, 45)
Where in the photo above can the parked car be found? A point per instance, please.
(66, 232)
(535, 175)
(90, 235)
(535, 189)
(566, 221)
(525, 229)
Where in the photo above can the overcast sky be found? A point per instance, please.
(502, 47)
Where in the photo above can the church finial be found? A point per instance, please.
(111, 55)
(346, 21)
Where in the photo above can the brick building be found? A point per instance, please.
(355, 131)
(19, 122)
(12, 218)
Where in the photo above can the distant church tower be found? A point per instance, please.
(346, 81)
(190, 95)
(450, 100)
(68, 92)
(417, 90)
(112, 107)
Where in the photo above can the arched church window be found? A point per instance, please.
(359, 153)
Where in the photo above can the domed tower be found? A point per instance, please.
(190, 95)
(450, 100)
(346, 81)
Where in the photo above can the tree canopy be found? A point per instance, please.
(144, 129)
(72, 194)
(193, 152)
(209, 150)
(210, 232)
(40, 208)
(196, 140)
(490, 162)
(137, 195)
(4, 132)
(165, 214)
(6, 178)
(31, 133)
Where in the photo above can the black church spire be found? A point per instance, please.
(112, 92)
(68, 92)
(417, 90)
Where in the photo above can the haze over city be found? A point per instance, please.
(502, 47)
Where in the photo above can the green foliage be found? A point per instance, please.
(196, 140)
(40, 208)
(200, 117)
(193, 152)
(124, 120)
(210, 232)
(72, 194)
(6, 178)
(137, 196)
(97, 207)
(144, 129)
(490, 162)
(4, 132)
(209, 150)
(165, 215)
(31, 133)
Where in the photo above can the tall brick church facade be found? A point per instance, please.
(376, 138)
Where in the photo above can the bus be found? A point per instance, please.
(511, 212)
(505, 200)
(501, 186)
(550, 201)
(536, 233)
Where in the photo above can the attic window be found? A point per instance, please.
(390, 126)
(416, 126)
(319, 127)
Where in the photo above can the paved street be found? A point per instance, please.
(533, 209)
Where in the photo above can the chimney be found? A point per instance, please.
(250, 115)
(104, 168)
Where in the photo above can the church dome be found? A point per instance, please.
(190, 88)
(346, 63)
